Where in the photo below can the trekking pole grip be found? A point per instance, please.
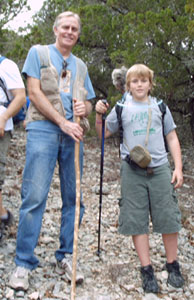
(104, 101)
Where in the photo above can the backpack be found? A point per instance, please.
(20, 116)
(119, 109)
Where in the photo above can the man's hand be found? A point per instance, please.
(79, 108)
(72, 129)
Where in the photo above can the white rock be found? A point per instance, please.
(34, 296)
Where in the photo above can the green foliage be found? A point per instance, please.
(8, 10)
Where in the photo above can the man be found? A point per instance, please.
(11, 90)
(51, 136)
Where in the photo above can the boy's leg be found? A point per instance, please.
(141, 243)
(166, 219)
(149, 282)
(171, 244)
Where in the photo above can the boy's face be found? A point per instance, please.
(139, 87)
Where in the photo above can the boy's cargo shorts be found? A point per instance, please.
(145, 195)
(4, 145)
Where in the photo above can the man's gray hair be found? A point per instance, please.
(119, 78)
(67, 14)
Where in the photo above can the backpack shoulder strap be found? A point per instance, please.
(162, 107)
(43, 52)
(119, 109)
(2, 84)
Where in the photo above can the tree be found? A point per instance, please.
(123, 32)
(10, 9)
(9, 39)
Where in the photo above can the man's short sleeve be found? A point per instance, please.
(32, 64)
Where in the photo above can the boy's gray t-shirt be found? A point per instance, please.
(135, 120)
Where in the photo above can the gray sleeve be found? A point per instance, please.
(112, 122)
(169, 124)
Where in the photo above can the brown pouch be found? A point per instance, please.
(140, 156)
(84, 123)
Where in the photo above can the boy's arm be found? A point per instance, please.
(101, 109)
(175, 150)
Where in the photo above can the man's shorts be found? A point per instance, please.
(4, 145)
(145, 195)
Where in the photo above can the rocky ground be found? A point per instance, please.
(115, 274)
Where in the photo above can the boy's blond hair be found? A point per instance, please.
(139, 70)
(67, 14)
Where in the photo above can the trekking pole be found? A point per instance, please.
(101, 177)
(81, 95)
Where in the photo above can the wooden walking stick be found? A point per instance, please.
(79, 94)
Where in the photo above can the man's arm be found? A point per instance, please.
(19, 99)
(175, 150)
(46, 109)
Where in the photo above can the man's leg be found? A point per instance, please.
(68, 192)
(41, 155)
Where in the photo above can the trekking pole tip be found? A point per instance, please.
(98, 253)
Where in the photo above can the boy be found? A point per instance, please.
(149, 190)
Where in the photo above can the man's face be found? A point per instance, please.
(67, 32)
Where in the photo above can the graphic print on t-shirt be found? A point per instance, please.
(64, 84)
(140, 120)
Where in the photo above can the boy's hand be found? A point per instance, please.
(177, 178)
(101, 108)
